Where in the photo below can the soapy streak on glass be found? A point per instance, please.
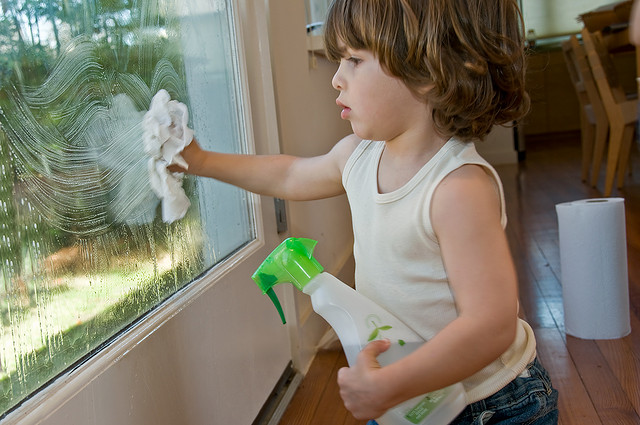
(87, 172)
(82, 250)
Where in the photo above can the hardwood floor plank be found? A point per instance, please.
(625, 364)
(574, 403)
(303, 405)
(609, 398)
(633, 339)
(331, 410)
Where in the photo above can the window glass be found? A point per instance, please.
(550, 18)
(83, 250)
(316, 15)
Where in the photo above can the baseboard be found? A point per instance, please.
(280, 397)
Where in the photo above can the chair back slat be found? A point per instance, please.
(582, 68)
(602, 68)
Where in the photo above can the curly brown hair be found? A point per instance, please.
(469, 53)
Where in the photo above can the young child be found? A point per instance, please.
(419, 81)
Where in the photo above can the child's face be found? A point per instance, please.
(378, 105)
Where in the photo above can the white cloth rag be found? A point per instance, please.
(165, 135)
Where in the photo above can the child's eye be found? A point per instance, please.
(354, 60)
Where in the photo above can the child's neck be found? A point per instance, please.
(403, 157)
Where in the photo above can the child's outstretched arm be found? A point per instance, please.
(282, 176)
(466, 217)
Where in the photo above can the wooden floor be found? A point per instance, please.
(598, 380)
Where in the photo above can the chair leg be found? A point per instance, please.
(588, 141)
(625, 150)
(616, 135)
(602, 130)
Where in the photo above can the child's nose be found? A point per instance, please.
(336, 81)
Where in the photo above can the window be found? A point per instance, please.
(83, 251)
(316, 15)
(551, 18)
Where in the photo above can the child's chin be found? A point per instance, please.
(362, 133)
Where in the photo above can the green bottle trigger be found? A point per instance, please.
(292, 261)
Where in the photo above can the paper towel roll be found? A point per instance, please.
(593, 263)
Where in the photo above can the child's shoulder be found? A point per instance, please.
(343, 150)
(348, 144)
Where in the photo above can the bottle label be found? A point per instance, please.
(425, 406)
(374, 322)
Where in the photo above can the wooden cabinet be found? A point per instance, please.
(554, 104)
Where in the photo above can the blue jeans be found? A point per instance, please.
(525, 400)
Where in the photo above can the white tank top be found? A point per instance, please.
(398, 260)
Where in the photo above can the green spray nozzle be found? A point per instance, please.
(292, 261)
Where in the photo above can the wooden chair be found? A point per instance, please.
(594, 124)
(620, 111)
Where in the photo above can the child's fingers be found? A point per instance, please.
(175, 168)
(368, 355)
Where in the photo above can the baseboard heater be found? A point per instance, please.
(280, 397)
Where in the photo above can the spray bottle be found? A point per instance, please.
(357, 320)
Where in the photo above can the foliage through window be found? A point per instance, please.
(83, 251)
